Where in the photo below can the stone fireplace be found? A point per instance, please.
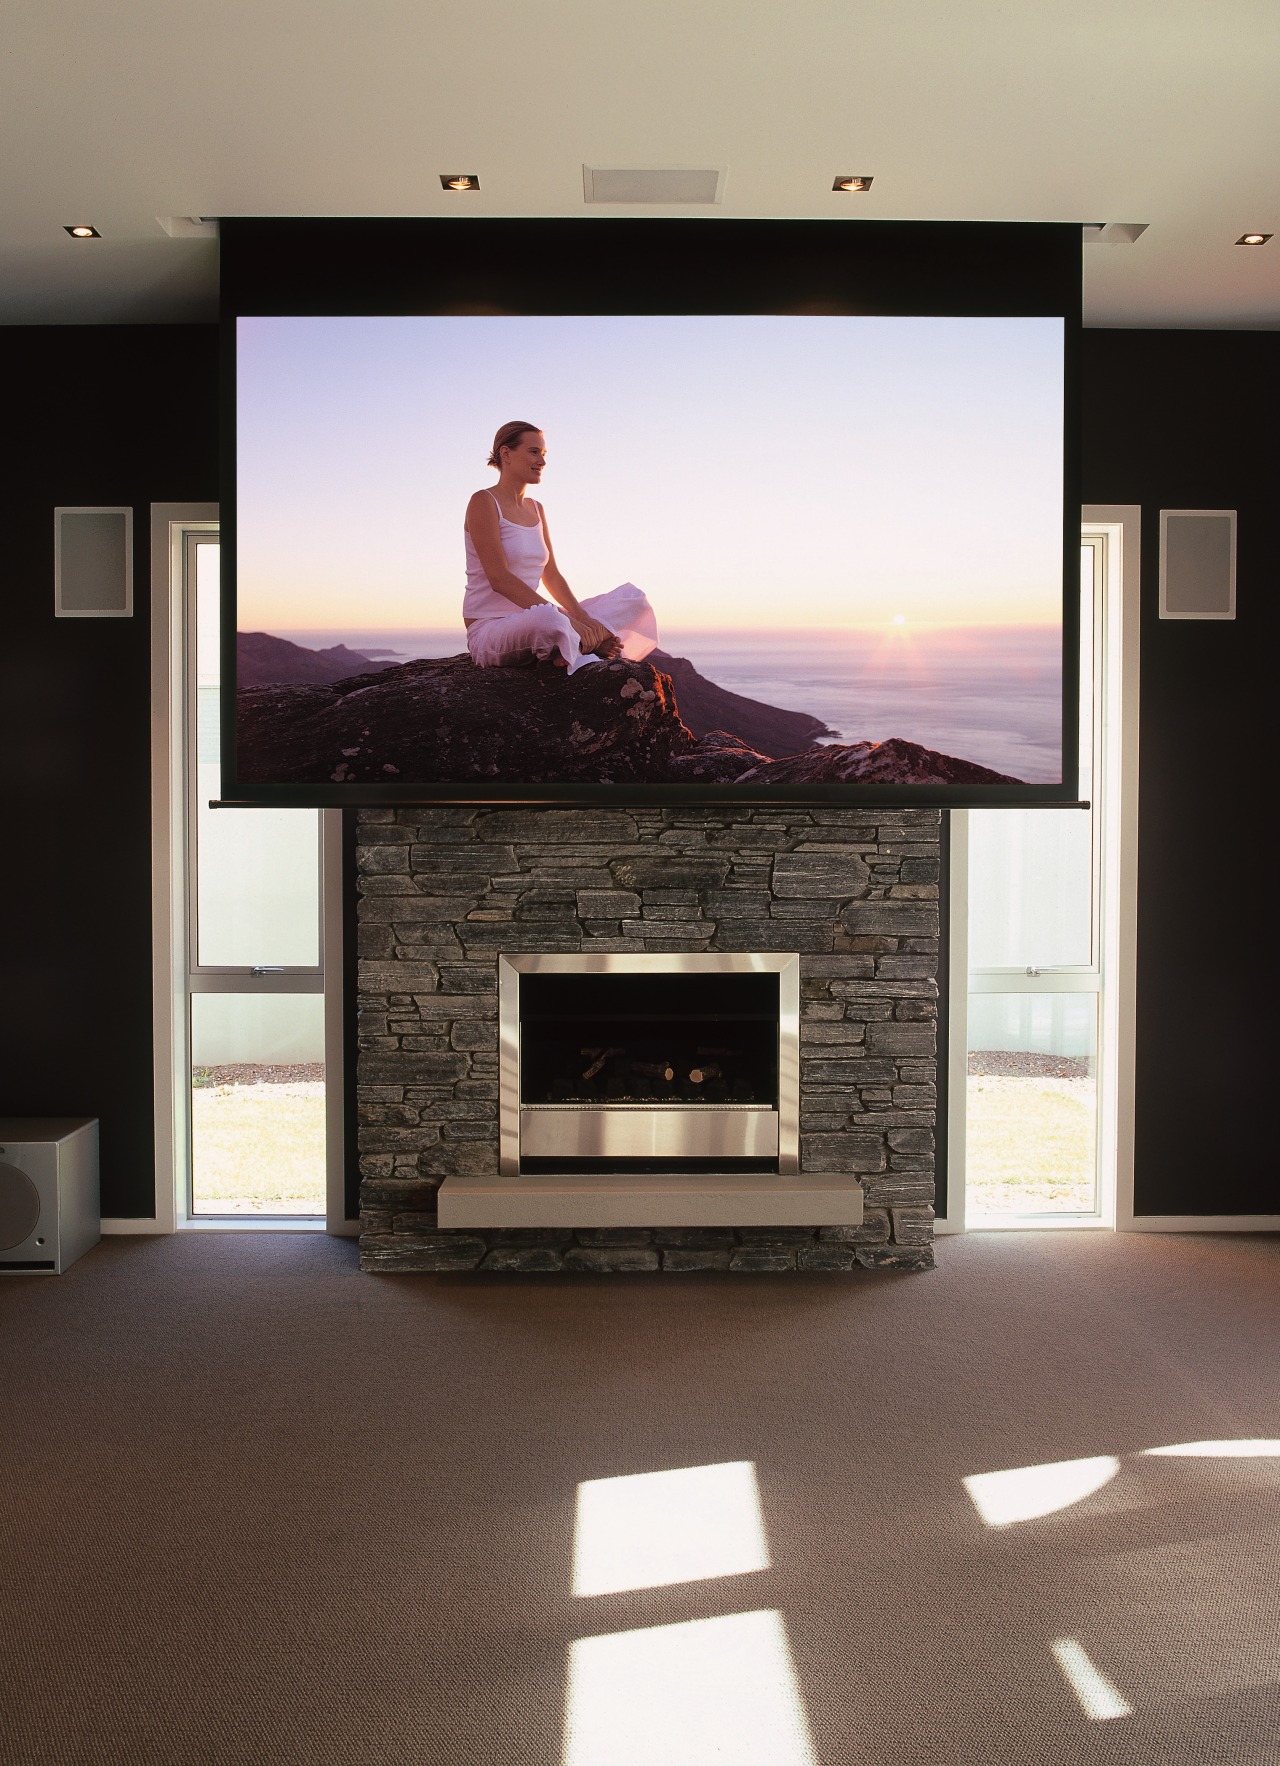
(647, 1038)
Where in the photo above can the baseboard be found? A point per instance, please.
(252, 1223)
(1202, 1223)
(349, 1229)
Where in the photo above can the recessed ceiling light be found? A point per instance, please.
(82, 231)
(459, 181)
(1253, 239)
(852, 181)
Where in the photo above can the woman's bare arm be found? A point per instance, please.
(486, 537)
(552, 579)
(592, 635)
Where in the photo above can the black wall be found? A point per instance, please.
(1186, 420)
(95, 414)
(127, 414)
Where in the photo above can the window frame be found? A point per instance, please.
(1115, 532)
(170, 524)
(227, 977)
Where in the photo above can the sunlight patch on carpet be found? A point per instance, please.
(1026, 1492)
(683, 1695)
(1243, 1449)
(652, 1529)
(1099, 1700)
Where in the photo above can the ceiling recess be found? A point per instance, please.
(189, 226)
(1113, 232)
(665, 187)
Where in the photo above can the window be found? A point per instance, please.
(248, 917)
(1036, 972)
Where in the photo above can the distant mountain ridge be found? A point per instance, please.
(264, 661)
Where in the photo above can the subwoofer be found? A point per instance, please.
(49, 1208)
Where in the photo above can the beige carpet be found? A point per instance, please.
(258, 1507)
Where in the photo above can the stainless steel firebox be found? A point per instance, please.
(572, 1064)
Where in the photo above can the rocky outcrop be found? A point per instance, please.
(441, 720)
(709, 709)
(894, 762)
(262, 660)
(717, 759)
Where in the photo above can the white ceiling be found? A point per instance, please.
(1158, 111)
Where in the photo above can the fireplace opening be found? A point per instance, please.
(650, 1064)
(646, 1039)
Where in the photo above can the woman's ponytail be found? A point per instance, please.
(507, 437)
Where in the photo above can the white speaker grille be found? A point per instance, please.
(631, 184)
(1197, 564)
(92, 562)
(19, 1206)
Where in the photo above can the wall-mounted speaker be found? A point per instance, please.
(92, 563)
(1197, 564)
(49, 1208)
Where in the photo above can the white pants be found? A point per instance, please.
(527, 634)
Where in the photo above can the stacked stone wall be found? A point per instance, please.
(444, 891)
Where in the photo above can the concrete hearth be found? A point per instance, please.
(672, 1198)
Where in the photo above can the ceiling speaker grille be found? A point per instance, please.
(627, 184)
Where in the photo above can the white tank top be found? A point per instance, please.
(526, 553)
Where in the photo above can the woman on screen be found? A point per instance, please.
(509, 558)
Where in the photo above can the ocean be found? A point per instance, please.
(990, 695)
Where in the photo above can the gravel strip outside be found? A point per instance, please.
(1022, 1064)
(256, 1073)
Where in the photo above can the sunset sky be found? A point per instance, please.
(748, 473)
